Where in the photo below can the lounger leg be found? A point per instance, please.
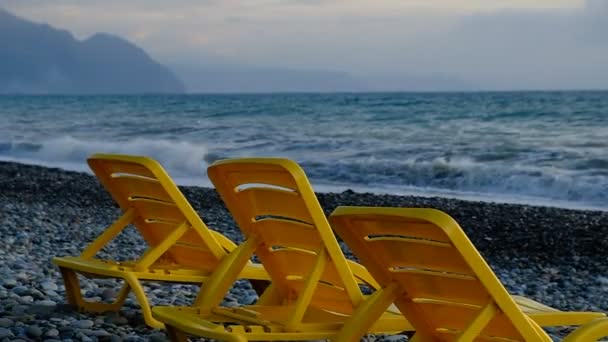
(122, 296)
(176, 335)
(72, 287)
(140, 295)
(74, 297)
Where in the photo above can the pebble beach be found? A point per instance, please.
(556, 256)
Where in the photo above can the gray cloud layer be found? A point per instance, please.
(491, 47)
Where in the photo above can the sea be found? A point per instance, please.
(541, 148)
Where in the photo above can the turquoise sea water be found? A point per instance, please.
(533, 147)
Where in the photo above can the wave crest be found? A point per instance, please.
(182, 159)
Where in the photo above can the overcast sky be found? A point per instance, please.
(495, 43)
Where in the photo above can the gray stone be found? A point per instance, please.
(27, 299)
(6, 323)
(99, 333)
(9, 283)
(33, 331)
(85, 338)
(37, 294)
(114, 318)
(108, 294)
(43, 307)
(83, 324)
(49, 286)
(158, 337)
(20, 309)
(4, 333)
(22, 276)
(85, 332)
(52, 294)
(250, 299)
(231, 304)
(25, 318)
(21, 290)
(47, 303)
(52, 333)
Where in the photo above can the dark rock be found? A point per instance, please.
(33, 331)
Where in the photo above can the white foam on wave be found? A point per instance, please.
(183, 160)
(462, 195)
(461, 178)
(468, 179)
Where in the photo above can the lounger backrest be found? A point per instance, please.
(272, 200)
(161, 213)
(445, 287)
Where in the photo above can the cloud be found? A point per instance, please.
(493, 43)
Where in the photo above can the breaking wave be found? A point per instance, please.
(183, 160)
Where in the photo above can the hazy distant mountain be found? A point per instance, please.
(236, 78)
(37, 58)
(417, 82)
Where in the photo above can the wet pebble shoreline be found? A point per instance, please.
(556, 256)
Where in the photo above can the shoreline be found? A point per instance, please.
(379, 191)
(553, 255)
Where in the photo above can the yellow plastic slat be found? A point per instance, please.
(267, 201)
(131, 186)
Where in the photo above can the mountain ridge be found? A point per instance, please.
(38, 58)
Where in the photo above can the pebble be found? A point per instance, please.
(4, 333)
(159, 337)
(21, 290)
(6, 322)
(49, 286)
(83, 324)
(108, 294)
(43, 307)
(52, 333)
(9, 283)
(114, 318)
(33, 331)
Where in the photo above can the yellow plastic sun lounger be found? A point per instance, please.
(182, 249)
(427, 266)
(314, 288)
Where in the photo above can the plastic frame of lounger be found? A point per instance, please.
(182, 249)
(314, 287)
(427, 266)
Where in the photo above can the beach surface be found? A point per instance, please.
(556, 256)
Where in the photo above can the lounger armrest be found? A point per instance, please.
(362, 275)
(227, 244)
